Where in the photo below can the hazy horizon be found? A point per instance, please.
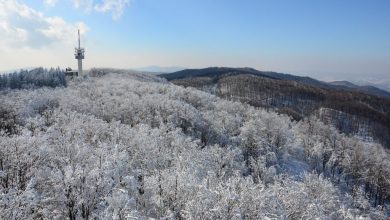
(327, 40)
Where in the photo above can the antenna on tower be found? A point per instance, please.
(79, 37)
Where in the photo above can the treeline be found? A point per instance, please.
(35, 78)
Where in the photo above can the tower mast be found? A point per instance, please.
(79, 55)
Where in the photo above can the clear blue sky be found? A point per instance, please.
(307, 37)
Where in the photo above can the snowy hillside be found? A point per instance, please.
(128, 146)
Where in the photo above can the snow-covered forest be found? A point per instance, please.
(34, 78)
(133, 146)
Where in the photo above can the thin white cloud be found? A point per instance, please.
(22, 26)
(19, 34)
(116, 7)
(87, 5)
(60, 30)
(50, 3)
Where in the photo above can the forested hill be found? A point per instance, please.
(118, 145)
(351, 109)
(217, 72)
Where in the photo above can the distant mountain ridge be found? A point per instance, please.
(216, 72)
(159, 69)
(382, 82)
(369, 89)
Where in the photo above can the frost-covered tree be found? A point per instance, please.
(34, 78)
